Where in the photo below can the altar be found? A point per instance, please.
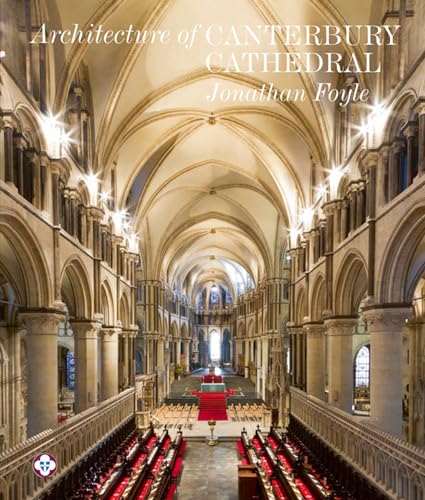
(213, 387)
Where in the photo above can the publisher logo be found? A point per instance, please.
(44, 465)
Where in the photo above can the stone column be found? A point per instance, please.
(344, 209)
(20, 145)
(109, 360)
(421, 138)
(386, 388)
(410, 133)
(125, 342)
(42, 354)
(132, 360)
(86, 390)
(264, 366)
(8, 154)
(340, 362)
(299, 359)
(315, 334)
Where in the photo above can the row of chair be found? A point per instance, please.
(177, 415)
(247, 412)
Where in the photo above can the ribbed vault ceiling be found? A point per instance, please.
(209, 183)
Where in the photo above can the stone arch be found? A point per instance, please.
(351, 285)
(30, 127)
(251, 328)
(174, 329)
(318, 299)
(125, 311)
(241, 329)
(400, 270)
(401, 113)
(107, 303)
(183, 331)
(75, 288)
(299, 307)
(21, 250)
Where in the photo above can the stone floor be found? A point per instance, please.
(209, 473)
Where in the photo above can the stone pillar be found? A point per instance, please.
(42, 354)
(132, 357)
(125, 342)
(85, 337)
(386, 388)
(416, 335)
(109, 361)
(393, 176)
(20, 145)
(337, 223)
(421, 138)
(8, 154)
(340, 362)
(410, 133)
(299, 357)
(264, 366)
(344, 209)
(315, 334)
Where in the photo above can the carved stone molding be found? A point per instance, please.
(41, 322)
(315, 330)
(339, 327)
(387, 318)
(86, 329)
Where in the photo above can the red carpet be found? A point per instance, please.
(212, 406)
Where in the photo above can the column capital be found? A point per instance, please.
(370, 160)
(109, 331)
(8, 121)
(95, 213)
(387, 317)
(41, 321)
(329, 207)
(409, 130)
(397, 145)
(420, 107)
(295, 330)
(59, 168)
(86, 329)
(33, 156)
(338, 327)
(314, 330)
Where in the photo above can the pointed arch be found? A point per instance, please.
(318, 298)
(125, 311)
(299, 307)
(351, 285)
(76, 291)
(400, 270)
(107, 303)
(35, 290)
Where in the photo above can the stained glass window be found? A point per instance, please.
(362, 367)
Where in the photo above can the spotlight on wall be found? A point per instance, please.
(104, 197)
(307, 218)
(335, 175)
(55, 135)
(2, 54)
(133, 242)
(293, 236)
(92, 182)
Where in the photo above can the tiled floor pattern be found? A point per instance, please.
(209, 473)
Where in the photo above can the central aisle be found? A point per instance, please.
(209, 472)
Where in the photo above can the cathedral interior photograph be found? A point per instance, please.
(212, 249)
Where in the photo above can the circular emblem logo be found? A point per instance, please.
(44, 465)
